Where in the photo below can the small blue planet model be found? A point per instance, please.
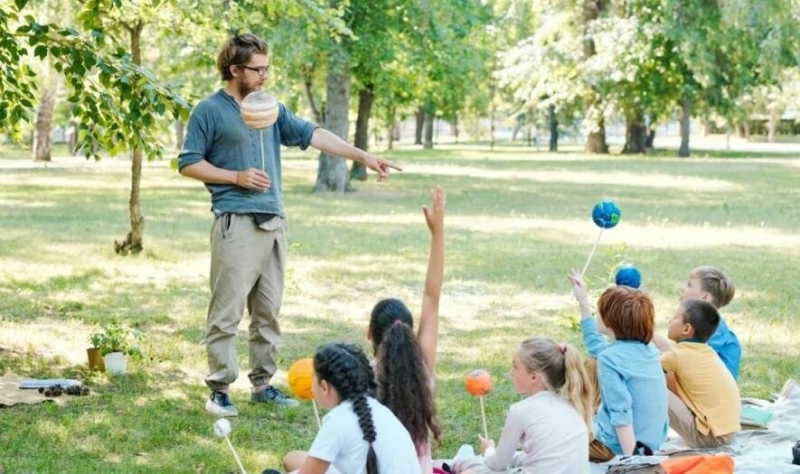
(606, 214)
(628, 275)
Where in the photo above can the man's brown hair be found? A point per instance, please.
(238, 50)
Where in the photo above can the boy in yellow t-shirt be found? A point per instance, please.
(704, 403)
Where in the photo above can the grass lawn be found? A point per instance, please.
(516, 222)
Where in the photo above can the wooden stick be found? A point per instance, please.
(483, 416)
(316, 413)
(241, 468)
(591, 254)
(261, 136)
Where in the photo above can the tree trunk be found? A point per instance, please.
(455, 130)
(73, 137)
(429, 118)
(308, 91)
(44, 123)
(772, 124)
(420, 122)
(686, 115)
(332, 170)
(744, 130)
(635, 133)
(179, 131)
(492, 125)
(133, 242)
(553, 128)
(596, 141)
(393, 129)
(366, 96)
(651, 138)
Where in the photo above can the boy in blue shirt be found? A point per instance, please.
(633, 391)
(709, 284)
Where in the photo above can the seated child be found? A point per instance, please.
(405, 362)
(710, 284)
(358, 435)
(552, 424)
(633, 392)
(704, 405)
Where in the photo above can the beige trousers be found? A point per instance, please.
(247, 266)
(682, 420)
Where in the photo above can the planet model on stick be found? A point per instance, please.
(222, 428)
(300, 376)
(478, 383)
(606, 214)
(628, 275)
(259, 110)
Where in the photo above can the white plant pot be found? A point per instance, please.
(116, 362)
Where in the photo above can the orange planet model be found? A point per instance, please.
(300, 378)
(478, 383)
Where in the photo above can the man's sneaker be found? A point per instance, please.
(220, 404)
(273, 395)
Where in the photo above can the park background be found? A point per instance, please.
(683, 112)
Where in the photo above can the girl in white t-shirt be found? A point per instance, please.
(358, 435)
(552, 424)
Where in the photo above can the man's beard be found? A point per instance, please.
(244, 89)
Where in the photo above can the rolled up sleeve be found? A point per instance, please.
(295, 131)
(198, 140)
(616, 398)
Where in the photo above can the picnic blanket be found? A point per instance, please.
(756, 451)
(11, 394)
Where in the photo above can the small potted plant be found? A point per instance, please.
(116, 343)
(94, 354)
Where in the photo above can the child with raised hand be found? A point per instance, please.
(405, 363)
(704, 404)
(633, 392)
(552, 424)
(358, 435)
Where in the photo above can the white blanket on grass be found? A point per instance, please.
(758, 451)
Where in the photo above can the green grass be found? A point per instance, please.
(517, 221)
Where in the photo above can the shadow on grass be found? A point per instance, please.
(144, 421)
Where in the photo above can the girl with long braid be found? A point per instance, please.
(358, 435)
(405, 363)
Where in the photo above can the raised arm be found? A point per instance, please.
(592, 339)
(428, 334)
(330, 143)
(581, 293)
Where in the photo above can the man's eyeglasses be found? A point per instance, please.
(261, 70)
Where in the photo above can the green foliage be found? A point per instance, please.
(118, 103)
(117, 338)
(650, 54)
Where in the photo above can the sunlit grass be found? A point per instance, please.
(517, 221)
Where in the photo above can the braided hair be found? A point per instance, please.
(403, 379)
(346, 368)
